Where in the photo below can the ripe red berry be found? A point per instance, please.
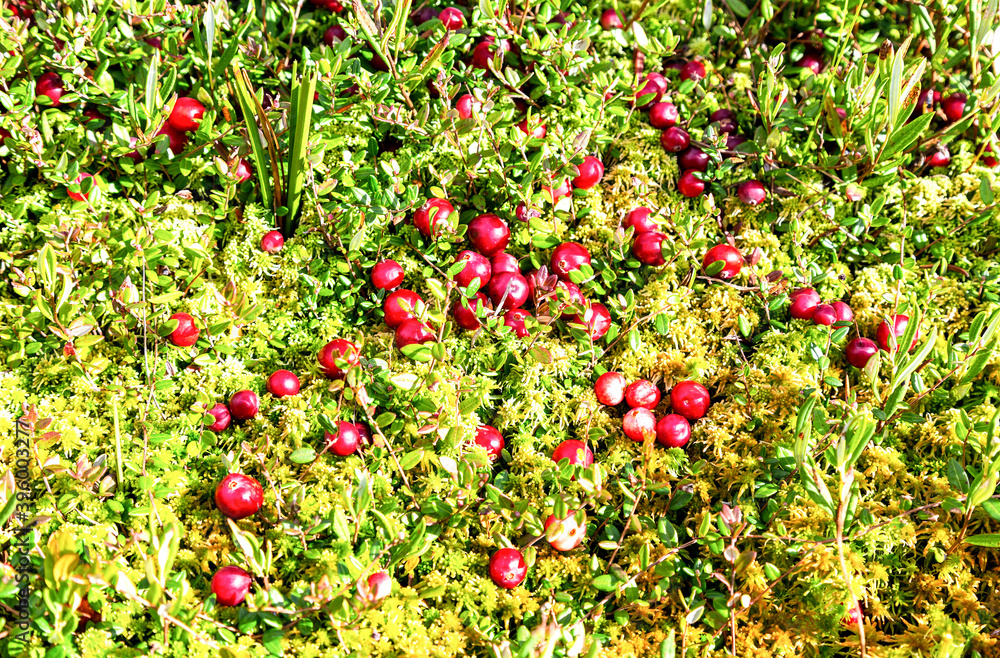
(387, 274)
(674, 139)
(272, 241)
(673, 431)
(575, 451)
(93, 115)
(508, 290)
(244, 405)
(51, 85)
(186, 114)
(733, 141)
(693, 159)
(568, 294)
(482, 54)
(610, 388)
(186, 333)
(859, 351)
(652, 83)
(804, 303)
(283, 383)
(477, 266)
(693, 71)
(504, 262)
(413, 332)
(569, 535)
(690, 185)
(824, 314)
(490, 438)
(432, 216)
(364, 433)
(938, 157)
(508, 568)
(79, 196)
(243, 171)
(728, 255)
(726, 120)
(899, 323)
(954, 106)
(230, 585)
(220, 413)
(452, 18)
(466, 316)
(514, 318)
(648, 248)
(638, 422)
(561, 190)
(336, 350)
(611, 20)
(400, 306)
(811, 61)
(690, 399)
(752, 192)
(591, 172)
(987, 159)
(641, 220)
(642, 393)
(537, 131)
(345, 441)
(334, 35)
(844, 312)
(465, 105)
(853, 616)
(568, 257)
(176, 140)
(927, 101)
(239, 496)
(597, 318)
(525, 213)
(663, 115)
(488, 234)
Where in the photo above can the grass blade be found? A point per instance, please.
(300, 123)
(260, 161)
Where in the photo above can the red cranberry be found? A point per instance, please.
(611, 20)
(239, 496)
(92, 114)
(939, 157)
(186, 114)
(230, 585)
(476, 267)
(568, 294)
(538, 131)
(693, 159)
(51, 85)
(400, 306)
(377, 587)
(508, 568)
(927, 101)
(488, 234)
(853, 617)
(80, 196)
(733, 141)
(334, 35)
(482, 54)
(693, 71)
(508, 290)
(591, 172)
(568, 534)
(673, 431)
(648, 248)
(243, 172)
(514, 318)
(432, 215)
(186, 333)
(690, 399)
(423, 15)
(674, 139)
(465, 105)
(641, 220)
(364, 433)
(563, 189)
(986, 159)
(663, 115)
(490, 438)
(452, 18)
(5, 134)
(345, 441)
(503, 262)
(575, 451)
(642, 393)
(804, 303)
(610, 388)
(220, 413)
(898, 329)
(597, 319)
(466, 316)
(283, 383)
(954, 106)
(859, 351)
(338, 350)
(825, 315)
(244, 405)
(690, 185)
(413, 332)
(272, 241)
(525, 213)
(387, 274)
(652, 83)
(639, 422)
(727, 254)
(176, 140)
(568, 257)
(155, 42)
(726, 120)
(811, 61)
(752, 192)
(844, 312)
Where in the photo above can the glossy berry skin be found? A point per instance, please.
(482, 54)
(611, 20)
(364, 432)
(591, 172)
(452, 18)
(490, 438)
(853, 617)
(477, 266)
(825, 315)
(537, 131)
(220, 413)
(663, 115)
(239, 496)
(186, 114)
(568, 257)
(571, 535)
(432, 215)
(488, 234)
(690, 399)
(674, 139)
(186, 333)
(693, 159)
(673, 431)
(689, 185)
(575, 451)
(465, 104)
(504, 262)
(859, 351)
(693, 71)
(396, 313)
(283, 383)
(638, 422)
(752, 192)
(642, 393)
(525, 213)
(954, 106)
(928, 100)
(230, 586)
(804, 303)
(345, 441)
(726, 120)
(811, 61)
(508, 568)
(377, 587)
(568, 294)
(387, 274)
(510, 288)
(597, 319)
(729, 255)
(563, 189)
(51, 85)
(272, 242)
(79, 196)
(733, 141)
(899, 323)
(641, 220)
(652, 83)
(338, 349)
(243, 171)
(610, 388)
(939, 157)
(244, 405)
(844, 312)
(648, 248)
(514, 319)
(413, 332)
(334, 35)
(176, 140)
(466, 318)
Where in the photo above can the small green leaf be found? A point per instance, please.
(302, 456)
